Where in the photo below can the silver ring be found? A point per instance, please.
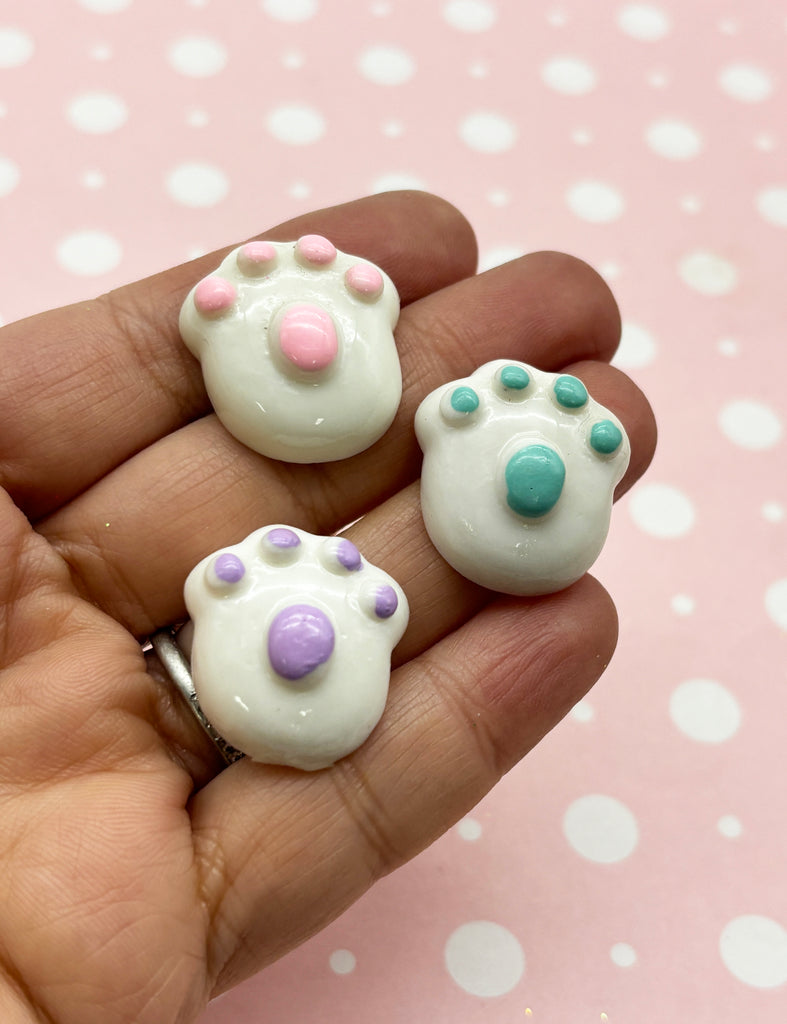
(177, 667)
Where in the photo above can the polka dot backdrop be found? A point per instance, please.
(633, 867)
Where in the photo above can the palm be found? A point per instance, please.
(140, 879)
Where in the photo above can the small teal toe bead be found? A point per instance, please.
(534, 477)
(464, 399)
(605, 437)
(514, 377)
(570, 392)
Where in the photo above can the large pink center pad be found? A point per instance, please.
(297, 348)
(307, 337)
(291, 646)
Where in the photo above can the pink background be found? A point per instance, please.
(633, 869)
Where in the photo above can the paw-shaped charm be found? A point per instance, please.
(297, 349)
(291, 646)
(518, 476)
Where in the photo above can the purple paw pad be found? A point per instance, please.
(229, 568)
(386, 602)
(348, 555)
(283, 538)
(300, 639)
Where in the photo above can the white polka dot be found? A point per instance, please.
(658, 79)
(765, 142)
(479, 69)
(595, 201)
(623, 955)
(292, 60)
(93, 179)
(488, 132)
(601, 828)
(499, 196)
(675, 140)
(300, 190)
(644, 22)
(381, 9)
(776, 602)
(9, 176)
(705, 711)
(729, 826)
(470, 15)
(610, 270)
(557, 18)
(583, 712)
(683, 605)
(484, 959)
(691, 204)
(637, 347)
(89, 253)
(582, 137)
(16, 47)
(469, 829)
(728, 347)
(197, 56)
(746, 82)
(661, 510)
(97, 112)
(290, 10)
(342, 961)
(569, 75)
(198, 118)
(197, 184)
(772, 205)
(101, 51)
(386, 65)
(397, 182)
(773, 512)
(754, 950)
(497, 257)
(392, 129)
(296, 124)
(708, 273)
(105, 6)
(749, 424)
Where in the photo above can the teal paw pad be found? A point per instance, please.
(534, 477)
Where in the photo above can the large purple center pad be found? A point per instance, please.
(300, 639)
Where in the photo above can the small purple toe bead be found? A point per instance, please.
(386, 602)
(229, 568)
(300, 639)
(348, 555)
(283, 538)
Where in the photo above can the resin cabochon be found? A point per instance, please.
(291, 644)
(297, 351)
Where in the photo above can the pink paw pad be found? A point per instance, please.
(365, 280)
(307, 337)
(214, 296)
(256, 258)
(315, 250)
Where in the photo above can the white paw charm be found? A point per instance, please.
(297, 349)
(518, 476)
(292, 641)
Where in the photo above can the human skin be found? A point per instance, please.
(139, 879)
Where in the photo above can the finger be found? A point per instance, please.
(198, 489)
(85, 387)
(460, 716)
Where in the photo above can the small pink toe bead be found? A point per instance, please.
(256, 258)
(307, 337)
(316, 250)
(365, 280)
(214, 295)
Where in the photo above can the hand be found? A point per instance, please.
(139, 879)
